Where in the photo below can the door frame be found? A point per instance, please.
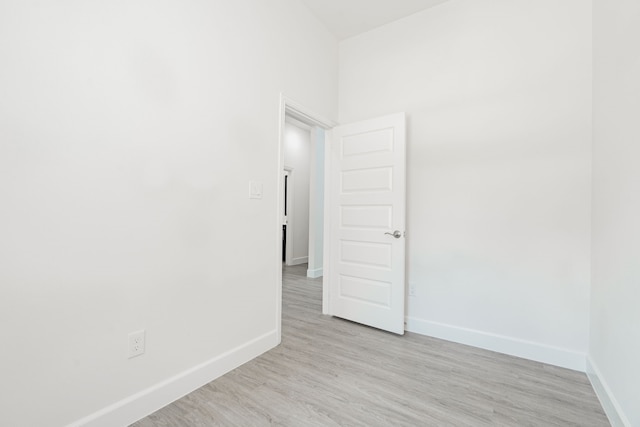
(299, 112)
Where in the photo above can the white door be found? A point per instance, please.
(367, 222)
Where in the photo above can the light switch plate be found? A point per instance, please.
(255, 190)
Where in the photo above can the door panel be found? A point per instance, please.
(366, 195)
(366, 216)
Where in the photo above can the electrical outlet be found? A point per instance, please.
(136, 343)
(412, 290)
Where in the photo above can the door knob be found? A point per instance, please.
(397, 234)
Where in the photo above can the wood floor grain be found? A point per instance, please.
(331, 372)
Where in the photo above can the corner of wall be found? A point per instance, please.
(607, 399)
(315, 273)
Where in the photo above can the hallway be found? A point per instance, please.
(331, 372)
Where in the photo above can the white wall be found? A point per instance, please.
(498, 97)
(614, 349)
(297, 151)
(129, 132)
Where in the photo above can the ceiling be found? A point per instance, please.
(347, 18)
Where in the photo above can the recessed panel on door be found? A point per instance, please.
(367, 180)
(368, 142)
(365, 290)
(366, 254)
(368, 217)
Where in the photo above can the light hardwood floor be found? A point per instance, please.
(331, 372)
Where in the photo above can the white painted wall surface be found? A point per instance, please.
(614, 349)
(498, 97)
(129, 132)
(297, 150)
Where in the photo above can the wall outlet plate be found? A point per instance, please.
(412, 290)
(136, 343)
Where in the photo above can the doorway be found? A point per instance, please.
(363, 269)
(299, 191)
(293, 213)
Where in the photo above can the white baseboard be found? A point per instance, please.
(315, 273)
(499, 343)
(299, 260)
(607, 399)
(133, 408)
